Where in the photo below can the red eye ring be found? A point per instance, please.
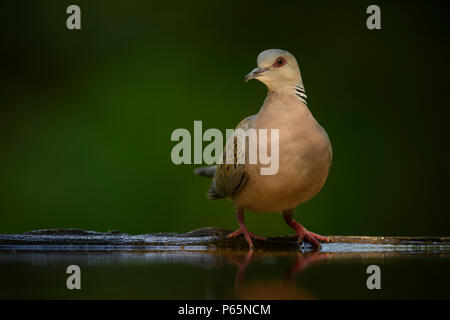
(279, 62)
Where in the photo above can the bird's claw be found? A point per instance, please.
(312, 238)
(247, 235)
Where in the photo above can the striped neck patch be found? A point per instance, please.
(300, 92)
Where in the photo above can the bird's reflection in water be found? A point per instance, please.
(281, 288)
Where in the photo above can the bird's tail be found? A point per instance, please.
(206, 171)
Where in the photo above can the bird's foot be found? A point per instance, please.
(247, 235)
(319, 237)
(311, 237)
(301, 231)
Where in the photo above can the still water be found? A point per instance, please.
(198, 273)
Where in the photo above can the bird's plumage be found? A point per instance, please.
(305, 152)
(230, 178)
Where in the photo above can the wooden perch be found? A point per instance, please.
(205, 238)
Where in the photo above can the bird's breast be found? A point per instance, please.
(304, 159)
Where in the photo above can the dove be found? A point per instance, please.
(305, 152)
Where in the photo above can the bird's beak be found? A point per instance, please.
(255, 73)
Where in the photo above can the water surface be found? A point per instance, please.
(338, 272)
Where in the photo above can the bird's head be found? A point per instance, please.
(276, 69)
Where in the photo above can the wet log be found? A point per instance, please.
(209, 238)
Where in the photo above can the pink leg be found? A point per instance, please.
(302, 233)
(243, 230)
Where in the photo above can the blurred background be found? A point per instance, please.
(86, 116)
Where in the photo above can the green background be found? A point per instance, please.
(86, 116)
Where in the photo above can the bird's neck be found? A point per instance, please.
(295, 89)
(285, 101)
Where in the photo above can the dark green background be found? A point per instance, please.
(86, 116)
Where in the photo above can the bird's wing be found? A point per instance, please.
(230, 178)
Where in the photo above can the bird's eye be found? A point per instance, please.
(279, 62)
